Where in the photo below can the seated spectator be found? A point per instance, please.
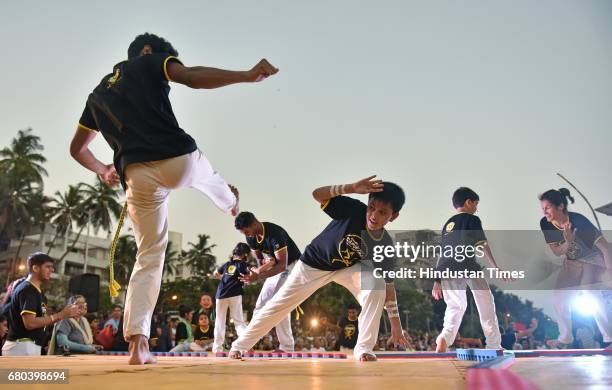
(206, 307)
(203, 336)
(3, 331)
(115, 318)
(318, 345)
(94, 323)
(184, 331)
(74, 334)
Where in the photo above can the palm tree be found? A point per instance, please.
(125, 257)
(199, 257)
(66, 212)
(22, 162)
(171, 259)
(98, 207)
(20, 171)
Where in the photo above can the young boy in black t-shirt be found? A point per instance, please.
(349, 331)
(336, 255)
(229, 293)
(464, 229)
(203, 335)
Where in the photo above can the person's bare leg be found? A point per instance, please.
(139, 351)
(441, 345)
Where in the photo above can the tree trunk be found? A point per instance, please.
(72, 246)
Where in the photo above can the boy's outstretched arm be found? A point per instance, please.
(363, 186)
(209, 78)
(397, 334)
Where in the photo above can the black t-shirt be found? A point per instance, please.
(27, 298)
(349, 330)
(229, 285)
(131, 108)
(346, 240)
(508, 340)
(462, 231)
(274, 239)
(204, 334)
(181, 333)
(586, 236)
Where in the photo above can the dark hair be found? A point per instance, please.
(205, 293)
(392, 194)
(241, 250)
(116, 307)
(3, 318)
(463, 194)
(91, 317)
(39, 258)
(557, 197)
(184, 310)
(158, 44)
(352, 306)
(203, 314)
(244, 219)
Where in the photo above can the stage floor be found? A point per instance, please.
(112, 372)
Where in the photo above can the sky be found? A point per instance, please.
(495, 95)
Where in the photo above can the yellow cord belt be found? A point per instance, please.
(113, 285)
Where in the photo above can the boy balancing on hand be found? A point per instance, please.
(336, 255)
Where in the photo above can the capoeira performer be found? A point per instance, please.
(152, 156)
(276, 254)
(587, 256)
(464, 230)
(335, 256)
(229, 293)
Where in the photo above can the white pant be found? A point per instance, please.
(149, 186)
(234, 304)
(283, 328)
(302, 282)
(454, 291)
(563, 300)
(20, 348)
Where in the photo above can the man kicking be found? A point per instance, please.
(335, 256)
(152, 156)
(276, 254)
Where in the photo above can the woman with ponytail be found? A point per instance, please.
(587, 255)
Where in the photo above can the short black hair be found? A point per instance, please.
(113, 307)
(242, 249)
(39, 258)
(392, 194)
(244, 219)
(3, 318)
(183, 310)
(158, 44)
(462, 194)
(558, 197)
(203, 314)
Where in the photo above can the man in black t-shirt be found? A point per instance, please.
(27, 311)
(349, 331)
(338, 254)
(152, 155)
(276, 254)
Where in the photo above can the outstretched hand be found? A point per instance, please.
(261, 71)
(368, 185)
(397, 338)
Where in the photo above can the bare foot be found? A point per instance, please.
(556, 344)
(139, 351)
(441, 346)
(235, 355)
(235, 210)
(367, 357)
(609, 347)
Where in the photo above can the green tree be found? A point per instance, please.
(65, 212)
(199, 257)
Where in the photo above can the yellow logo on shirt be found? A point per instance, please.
(231, 269)
(349, 331)
(114, 78)
(450, 226)
(351, 248)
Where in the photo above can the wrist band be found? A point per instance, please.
(392, 309)
(336, 190)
